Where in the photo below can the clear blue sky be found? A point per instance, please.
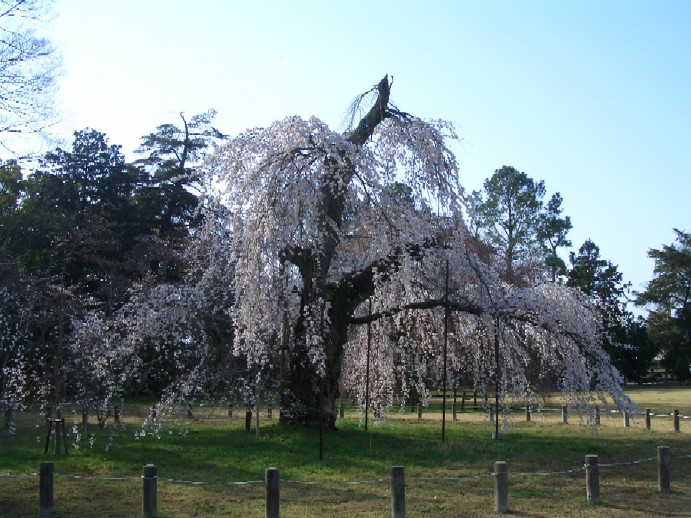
(593, 97)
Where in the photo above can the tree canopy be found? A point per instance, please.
(669, 294)
(316, 233)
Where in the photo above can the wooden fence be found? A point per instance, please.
(272, 485)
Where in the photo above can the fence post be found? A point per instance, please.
(230, 410)
(626, 419)
(149, 487)
(273, 492)
(647, 419)
(676, 420)
(663, 463)
(527, 412)
(419, 410)
(454, 411)
(565, 414)
(592, 479)
(46, 489)
(597, 415)
(501, 487)
(397, 492)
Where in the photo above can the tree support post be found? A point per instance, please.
(647, 419)
(676, 421)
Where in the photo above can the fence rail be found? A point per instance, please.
(397, 480)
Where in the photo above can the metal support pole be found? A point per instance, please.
(446, 341)
(369, 343)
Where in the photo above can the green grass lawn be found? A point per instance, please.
(442, 479)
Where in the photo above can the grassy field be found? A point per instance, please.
(451, 479)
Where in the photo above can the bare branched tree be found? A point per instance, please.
(29, 66)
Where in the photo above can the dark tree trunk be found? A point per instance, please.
(308, 398)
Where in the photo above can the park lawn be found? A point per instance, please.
(442, 479)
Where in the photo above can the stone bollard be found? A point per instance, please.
(501, 487)
(664, 460)
(273, 493)
(149, 487)
(597, 415)
(397, 492)
(592, 479)
(627, 424)
(527, 413)
(419, 410)
(647, 419)
(676, 420)
(565, 414)
(46, 489)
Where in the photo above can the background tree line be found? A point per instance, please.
(87, 233)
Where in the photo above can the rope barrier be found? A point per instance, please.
(355, 482)
(631, 463)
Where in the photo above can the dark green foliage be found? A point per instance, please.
(170, 157)
(508, 213)
(631, 350)
(669, 294)
(552, 231)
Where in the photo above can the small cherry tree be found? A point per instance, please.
(320, 224)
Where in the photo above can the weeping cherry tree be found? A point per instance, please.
(342, 240)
